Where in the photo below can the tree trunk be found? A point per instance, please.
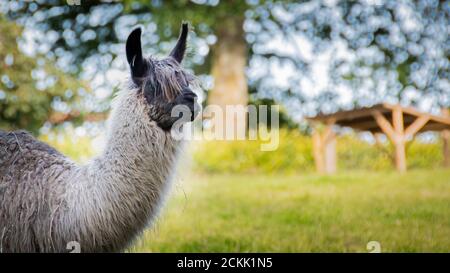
(228, 69)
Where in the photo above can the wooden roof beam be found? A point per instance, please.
(415, 127)
(385, 126)
(414, 112)
(350, 115)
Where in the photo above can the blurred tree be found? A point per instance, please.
(32, 91)
(379, 50)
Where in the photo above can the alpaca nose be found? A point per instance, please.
(194, 106)
(195, 111)
(190, 97)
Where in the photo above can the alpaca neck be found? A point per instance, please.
(126, 184)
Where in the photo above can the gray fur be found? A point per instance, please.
(166, 79)
(47, 200)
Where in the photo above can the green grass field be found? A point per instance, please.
(310, 213)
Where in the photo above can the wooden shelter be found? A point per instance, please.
(399, 124)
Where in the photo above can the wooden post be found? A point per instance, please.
(385, 126)
(446, 140)
(324, 148)
(400, 155)
(317, 151)
(395, 134)
(416, 126)
(446, 147)
(330, 154)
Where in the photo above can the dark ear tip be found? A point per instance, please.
(137, 31)
(134, 52)
(184, 27)
(134, 36)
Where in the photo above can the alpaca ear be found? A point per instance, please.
(134, 54)
(178, 51)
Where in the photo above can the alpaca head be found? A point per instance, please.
(163, 82)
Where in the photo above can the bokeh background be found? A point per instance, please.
(61, 62)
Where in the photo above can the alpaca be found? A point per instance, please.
(47, 200)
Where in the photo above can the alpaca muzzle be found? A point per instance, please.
(189, 98)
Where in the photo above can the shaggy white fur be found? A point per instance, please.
(47, 201)
(102, 205)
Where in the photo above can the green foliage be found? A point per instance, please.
(77, 148)
(294, 155)
(29, 86)
(395, 47)
(307, 213)
(422, 155)
(354, 153)
(284, 120)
